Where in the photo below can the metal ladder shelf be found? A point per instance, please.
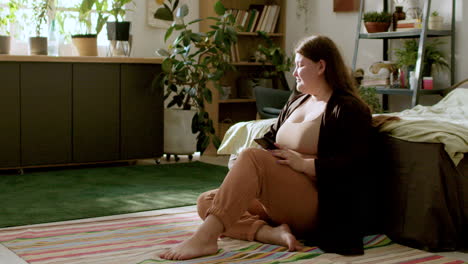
(422, 34)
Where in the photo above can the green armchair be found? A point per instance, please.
(270, 101)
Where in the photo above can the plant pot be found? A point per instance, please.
(178, 136)
(118, 30)
(374, 27)
(86, 45)
(38, 46)
(436, 23)
(5, 44)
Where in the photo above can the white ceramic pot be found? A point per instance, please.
(436, 23)
(38, 46)
(178, 137)
(5, 44)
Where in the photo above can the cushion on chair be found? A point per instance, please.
(271, 110)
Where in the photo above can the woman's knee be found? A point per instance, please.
(253, 153)
(204, 202)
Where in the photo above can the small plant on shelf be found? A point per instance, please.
(274, 55)
(40, 9)
(407, 56)
(193, 61)
(369, 95)
(377, 21)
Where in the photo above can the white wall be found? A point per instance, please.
(147, 39)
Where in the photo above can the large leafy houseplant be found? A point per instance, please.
(194, 60)
(433, 56)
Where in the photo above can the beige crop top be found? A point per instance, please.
(302, 136)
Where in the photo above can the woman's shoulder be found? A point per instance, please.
(347, 103)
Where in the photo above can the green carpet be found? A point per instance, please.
(65, 194)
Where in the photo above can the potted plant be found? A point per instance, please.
(192, 62)
(407, 56)
(38, 44)
(275, 62)
(6, 19)
(86, 43)
(274, 55)
(436, 22)
(119, 30)
(377, 21)
(369, 95)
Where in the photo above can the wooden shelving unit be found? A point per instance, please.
(236, 109)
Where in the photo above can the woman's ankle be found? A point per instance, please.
(210, 230)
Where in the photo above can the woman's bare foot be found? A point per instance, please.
(191, 248)
(280, 235)
(204, 242)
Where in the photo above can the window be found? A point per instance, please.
(64, 13)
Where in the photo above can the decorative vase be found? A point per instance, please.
(413, 11)
(398, 15)
(374, 27)
(118, 34)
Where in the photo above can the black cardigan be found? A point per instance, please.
(342, 172)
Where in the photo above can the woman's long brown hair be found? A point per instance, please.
(337, 75)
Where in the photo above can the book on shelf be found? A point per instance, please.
(251, 20)
(275, 19)
(409, 23)
(406, 29)
(375, 81)
(258, 15)
(262, 19)
(257, 18)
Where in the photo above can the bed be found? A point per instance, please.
(425, 201)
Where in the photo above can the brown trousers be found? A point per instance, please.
(259, 191)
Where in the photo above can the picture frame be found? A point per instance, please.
(151, 7)
(346, 5)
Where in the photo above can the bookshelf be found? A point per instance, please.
(238, 108)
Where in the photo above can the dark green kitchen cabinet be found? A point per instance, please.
(142, 115)
(65, 111)
(96, 104)
(9, 114)
(46, 107)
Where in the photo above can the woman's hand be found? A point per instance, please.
(289, 157)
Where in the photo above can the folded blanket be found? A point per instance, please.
(445, 122)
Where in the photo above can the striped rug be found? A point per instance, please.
(138, 240)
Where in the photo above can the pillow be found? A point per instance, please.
(241, 135)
